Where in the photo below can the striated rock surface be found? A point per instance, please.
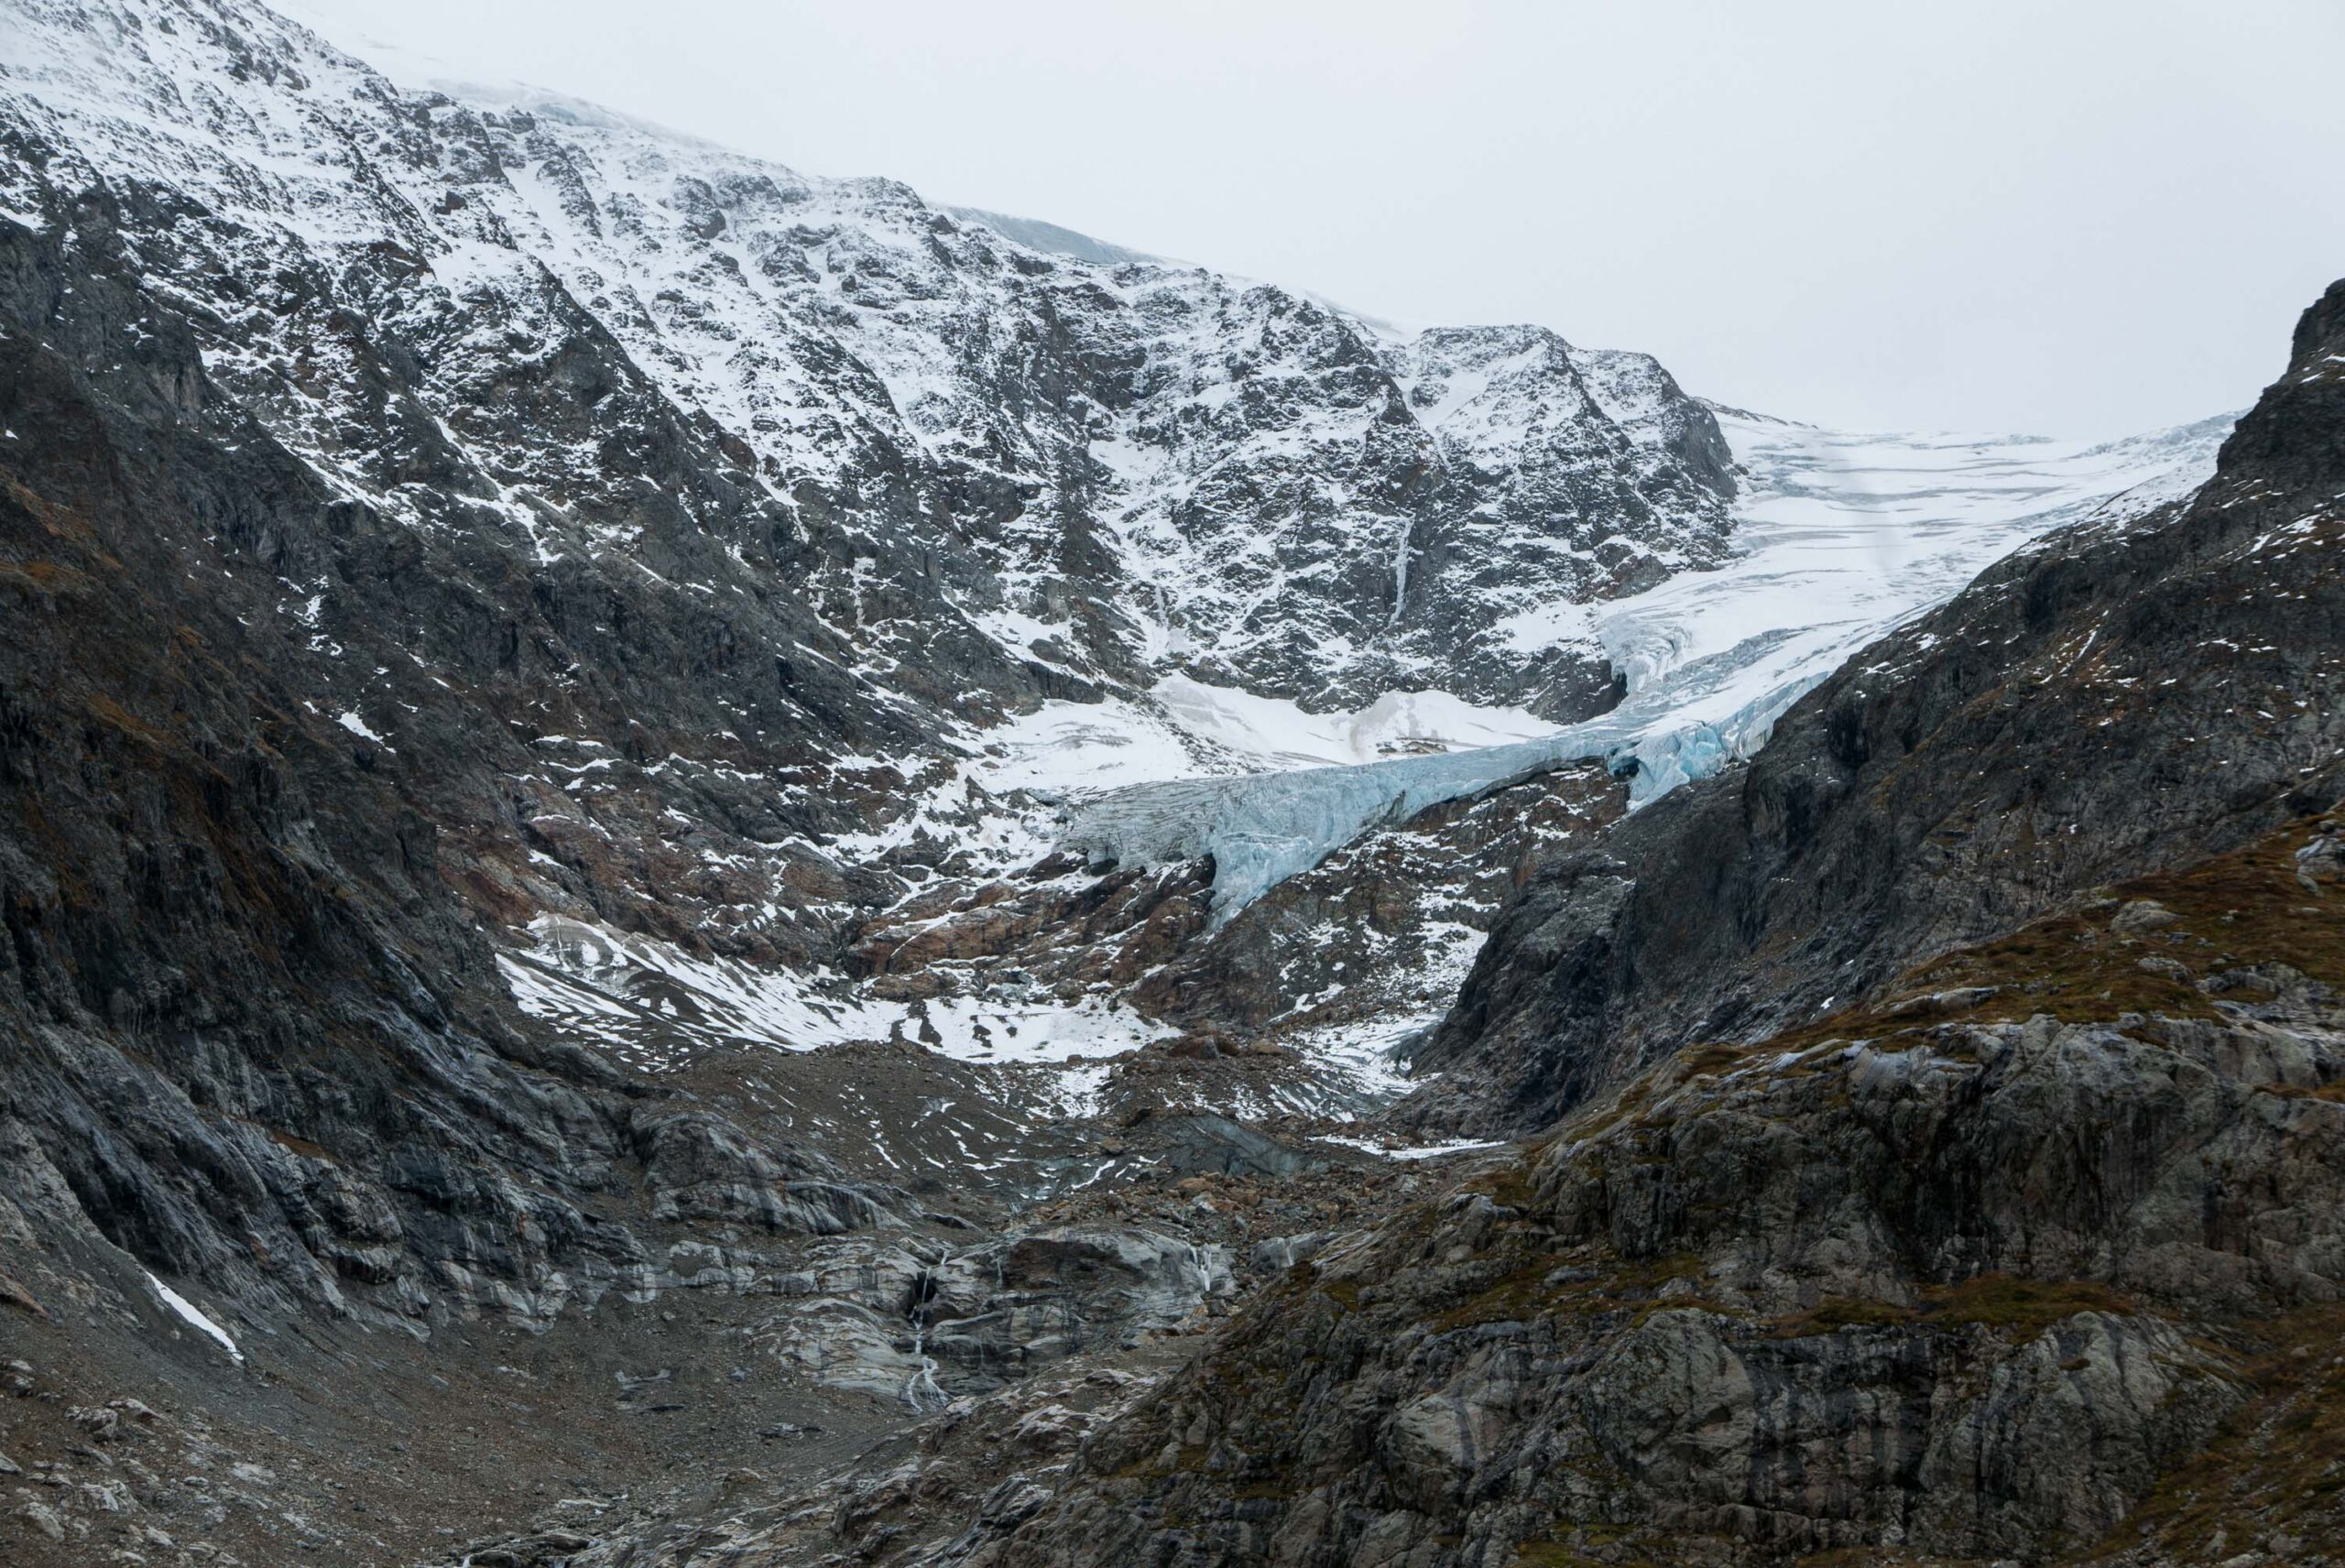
(1882, 1295)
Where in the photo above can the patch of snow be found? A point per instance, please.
(652, 1005)
(358, 726)
(1185, 728)
(193, 1317)
(1410, 1152)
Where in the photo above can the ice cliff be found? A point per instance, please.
(1841, 537)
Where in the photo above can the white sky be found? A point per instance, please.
(2084, 217)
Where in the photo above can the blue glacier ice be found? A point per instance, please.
(1842, 537)
(1262, 828)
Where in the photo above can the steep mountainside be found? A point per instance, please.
(690, 525)
(2031, 1253)
(994, 471)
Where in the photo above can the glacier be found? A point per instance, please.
(1841, 538)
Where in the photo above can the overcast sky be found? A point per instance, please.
(2081, 218)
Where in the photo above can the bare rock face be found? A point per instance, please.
(698, 1166)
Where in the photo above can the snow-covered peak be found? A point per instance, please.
(1112, 465)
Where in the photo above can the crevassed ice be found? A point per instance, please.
(1841, 539)
(1262, 828)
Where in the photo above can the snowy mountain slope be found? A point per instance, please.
(1053, 240)
(1839, 535)
(1101, 466)
(714, 539)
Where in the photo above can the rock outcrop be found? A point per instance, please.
(1969, 1292)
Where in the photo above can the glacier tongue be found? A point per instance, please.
(1262, 828)
(1841, 537)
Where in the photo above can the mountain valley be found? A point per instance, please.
(703, 865)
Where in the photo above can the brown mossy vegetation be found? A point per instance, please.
(2021, 1307)
(2232, 914)
(1549, 1286)
(2245, 910)
(2277, 1469)
(1510, 1186)
(1552, 1286)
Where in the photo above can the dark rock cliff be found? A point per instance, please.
(254, 1037)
